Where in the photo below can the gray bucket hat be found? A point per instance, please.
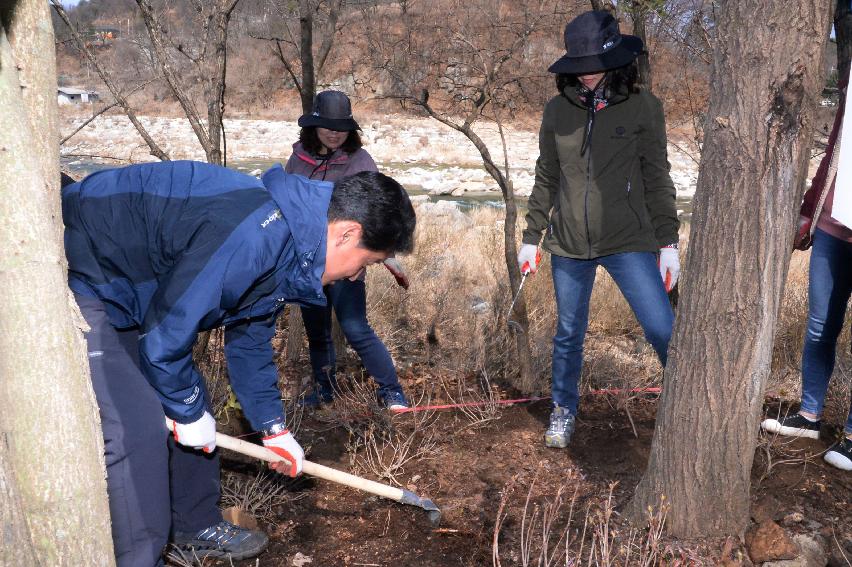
(593, 43)
(332, 110)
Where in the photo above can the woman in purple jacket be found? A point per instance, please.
(328, 149)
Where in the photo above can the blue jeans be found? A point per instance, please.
(829, 287)
(349, 301)
(638, 278)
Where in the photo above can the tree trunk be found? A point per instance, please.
(750, 184)
(306, 54)
(640, 14)
(51, 462)
(216, 94)
(526, 379)
(295, 334)
(843, 36)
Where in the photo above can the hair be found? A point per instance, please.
(311, 142)
(620, 78)
(382, 208)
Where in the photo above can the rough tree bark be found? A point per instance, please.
(750, 182)
(53, 502)
(843, 35)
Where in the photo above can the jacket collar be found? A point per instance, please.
(304, 206)
(570, 93)
(337, 157)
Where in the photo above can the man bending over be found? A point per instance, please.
(161, 251)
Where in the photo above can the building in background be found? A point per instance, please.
(71, 95)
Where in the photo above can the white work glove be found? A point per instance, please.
(394, 267)
(529, 258)
(200, 434)
(285, 445)
(669, 263)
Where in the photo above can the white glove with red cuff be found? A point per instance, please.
(285, 445)
(200, 434)
(528, 258)
(394, 267)
(669, 263)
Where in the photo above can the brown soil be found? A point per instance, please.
(471, 468)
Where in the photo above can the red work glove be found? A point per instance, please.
(394, 267)
(285, 445)
(669, 263)
(529, 257)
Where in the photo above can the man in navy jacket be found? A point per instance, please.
(159, 252)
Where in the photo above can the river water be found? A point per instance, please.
(416, 178)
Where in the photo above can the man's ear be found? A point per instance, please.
(345, 232)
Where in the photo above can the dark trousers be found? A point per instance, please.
(349, 301)
(154, 485)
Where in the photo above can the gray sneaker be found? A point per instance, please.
(223, 539)
(561, 428)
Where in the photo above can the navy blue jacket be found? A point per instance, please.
(174, 248)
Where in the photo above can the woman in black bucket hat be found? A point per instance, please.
(603, 196)
(329, 148)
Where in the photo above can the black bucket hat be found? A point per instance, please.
(332, 110)
(593, 43)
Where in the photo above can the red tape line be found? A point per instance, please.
(611, 391)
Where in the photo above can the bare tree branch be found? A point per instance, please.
(155, 32)
(104, 109)
(116, 93)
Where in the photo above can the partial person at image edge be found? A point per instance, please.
(829, 289)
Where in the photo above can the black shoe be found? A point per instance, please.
(222, 540)
(840, 454)
(792, 425)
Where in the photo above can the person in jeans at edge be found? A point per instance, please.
(829, 288)
(329, 148)
(161, 251)
(603, 196)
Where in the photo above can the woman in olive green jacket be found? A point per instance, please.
(602, 196)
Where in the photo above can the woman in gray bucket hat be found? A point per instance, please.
(329, 148)
(602, 196)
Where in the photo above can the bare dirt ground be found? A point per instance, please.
(476, 471)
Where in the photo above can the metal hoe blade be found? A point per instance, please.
(412, 499)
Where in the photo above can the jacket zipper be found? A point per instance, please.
(630, 205)
(586, 203)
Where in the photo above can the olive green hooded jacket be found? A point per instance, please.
(618, 197)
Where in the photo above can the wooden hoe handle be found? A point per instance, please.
(311, 468)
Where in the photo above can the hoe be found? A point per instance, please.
(327, 473)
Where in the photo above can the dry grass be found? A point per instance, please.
(259, 495)
(454, 316)
(560, 529)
